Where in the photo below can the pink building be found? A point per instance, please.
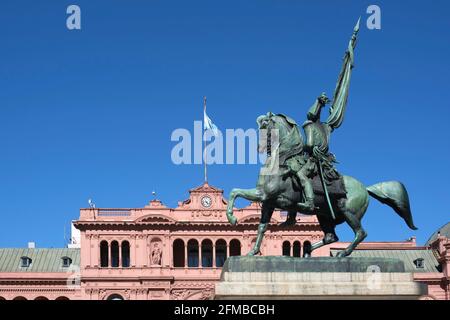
(156, 252)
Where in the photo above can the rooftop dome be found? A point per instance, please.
(444, 230)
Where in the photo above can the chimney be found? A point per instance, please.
(31, 245)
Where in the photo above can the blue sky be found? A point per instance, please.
(89, 113)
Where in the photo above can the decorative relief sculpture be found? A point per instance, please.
(156, 253)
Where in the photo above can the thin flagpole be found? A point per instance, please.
(204, 140)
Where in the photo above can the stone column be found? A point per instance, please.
(88, 259)
(200, 262)
(141, 250)
(133, 251)
(185, 255)
(109, 254)
(90, 245)
(170, 254)
(120, 254)
(137, 255)
(166, 248)
(95, 251)
(145, 250)
(214, 254)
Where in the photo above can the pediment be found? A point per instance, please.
(156, 218)
(253, 206)
(206, 188)
(253, 218)
(204, 197)
(155, 204)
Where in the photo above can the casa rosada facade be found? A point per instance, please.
(156, 252)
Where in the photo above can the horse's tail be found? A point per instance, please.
(394, 194)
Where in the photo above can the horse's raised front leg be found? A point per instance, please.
(249, 194)
(266, 215)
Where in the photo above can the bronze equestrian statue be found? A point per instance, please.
(301, 177)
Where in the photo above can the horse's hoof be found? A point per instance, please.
(341, 254)
(287, 224)
(252, 253)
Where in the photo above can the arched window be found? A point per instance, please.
(104, 255)
(41, 298)
(62, 298)
(114, 254)
(20, 298)
(115, 297)
(221, 252)
(1, 298)
(307, 249)
(178, 253)
(125, 254)
(286, 248)
(193, 253)
(207, 256)
(235, 248)
(296, 248)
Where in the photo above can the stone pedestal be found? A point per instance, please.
(316, 278)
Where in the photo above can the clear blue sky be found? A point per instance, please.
(89, 113)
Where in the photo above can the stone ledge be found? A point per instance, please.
(316, 264)
(319, 285)
(306, 277)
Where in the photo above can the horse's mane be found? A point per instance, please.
(289, 125)
(281, 119)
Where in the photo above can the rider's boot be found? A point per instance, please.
(308, 205)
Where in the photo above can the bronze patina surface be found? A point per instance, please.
(300, 175)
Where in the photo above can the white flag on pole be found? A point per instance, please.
(208, 124)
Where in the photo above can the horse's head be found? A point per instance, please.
(265, 125)
(272, 129)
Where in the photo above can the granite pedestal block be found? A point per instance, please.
(316, 278)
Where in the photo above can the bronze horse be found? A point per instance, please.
(275, 190)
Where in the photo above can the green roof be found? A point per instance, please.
(408, 256)
(43, 260)
(444, 231)
(50, 260)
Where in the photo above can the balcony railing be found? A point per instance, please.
(113, 213)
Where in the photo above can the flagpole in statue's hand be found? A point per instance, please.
(338, 106)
